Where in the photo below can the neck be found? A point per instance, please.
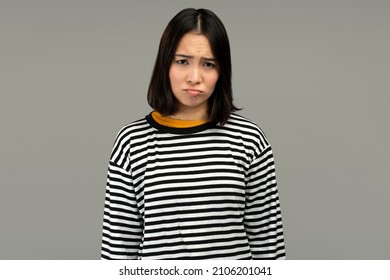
(191, 114)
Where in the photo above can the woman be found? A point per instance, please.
(192, 180)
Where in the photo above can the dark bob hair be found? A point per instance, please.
(204, 22)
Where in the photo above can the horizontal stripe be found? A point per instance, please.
(203, 192)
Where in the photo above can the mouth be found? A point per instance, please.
(193, 92)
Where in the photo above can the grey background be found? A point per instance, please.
(313, 74)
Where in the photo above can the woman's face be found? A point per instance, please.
(193, 75)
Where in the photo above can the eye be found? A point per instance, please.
(208, 64)
(182, 61)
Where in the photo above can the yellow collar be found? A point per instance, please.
(166, 121)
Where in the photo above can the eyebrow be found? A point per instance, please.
(190, 56)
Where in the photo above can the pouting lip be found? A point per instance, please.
(193, 92)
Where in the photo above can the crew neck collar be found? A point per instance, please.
(169, 125)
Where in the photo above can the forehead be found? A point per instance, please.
(194, 44)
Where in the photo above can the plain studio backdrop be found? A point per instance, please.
(313, 74)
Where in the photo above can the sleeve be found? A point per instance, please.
(122, 222)
(262, 216)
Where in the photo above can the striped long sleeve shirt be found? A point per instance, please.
(202, 192)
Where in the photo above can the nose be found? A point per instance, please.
(194, 75)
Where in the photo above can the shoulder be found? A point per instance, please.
(124, 137)
(243, 121)
(248, 129)
(129, 132)
(132, 128)
(244, 124)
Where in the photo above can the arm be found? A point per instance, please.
(122, 224)
(262, 218)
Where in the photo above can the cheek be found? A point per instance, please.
(212, 80)
(175, 76)
(171, 76)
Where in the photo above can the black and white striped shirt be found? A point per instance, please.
(204, 192)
